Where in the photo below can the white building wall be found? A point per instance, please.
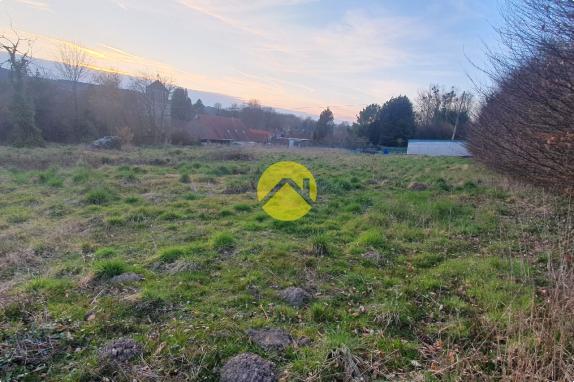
(437, 148)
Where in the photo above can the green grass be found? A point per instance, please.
(451, 264)
(106, 269)
(222, 241)
(99, 195)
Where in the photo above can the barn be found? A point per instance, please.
(437, 148)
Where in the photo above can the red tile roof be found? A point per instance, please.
(217, 128)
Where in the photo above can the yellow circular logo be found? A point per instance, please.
(287, 191)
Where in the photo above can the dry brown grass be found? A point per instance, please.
(539, 345)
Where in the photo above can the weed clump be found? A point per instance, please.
(50, 178)
(105, 253)
(171, 254)
(320, 245)
(372, 238)
(321, 312)
(99, 196)
(106, 269)
(185, 178)
(237, 186)
(223, 241)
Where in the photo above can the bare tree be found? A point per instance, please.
(442, 114)
(18, 58)
(464, 105)
(73, 66)
(526, 126)
(73, 62)
(154, 93)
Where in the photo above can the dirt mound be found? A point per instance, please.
(296, 297)
(248, 367)
(125, 278)
(271, 339)
(415, 186)
(121, 350)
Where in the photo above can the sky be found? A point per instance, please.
(299, 55)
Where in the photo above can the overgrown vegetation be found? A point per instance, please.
(446, 283)
(526, 127)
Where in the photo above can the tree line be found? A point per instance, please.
(79, 105)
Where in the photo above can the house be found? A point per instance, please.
(295, 142)
(227, 130)
(437, 148)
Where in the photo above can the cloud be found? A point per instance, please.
(292, 64)
(37, 5)
(288, 54)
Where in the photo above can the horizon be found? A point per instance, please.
(297, 56)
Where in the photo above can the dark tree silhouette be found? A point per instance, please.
(325, 126)
(394, 124)
(23, 130)
(181, 106)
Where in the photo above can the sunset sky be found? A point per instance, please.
(300, 55)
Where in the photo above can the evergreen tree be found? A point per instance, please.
(325, 126)
(395, 123)
(366, 116)
(181, 107)
(199, 108)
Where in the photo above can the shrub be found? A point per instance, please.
(524, 128)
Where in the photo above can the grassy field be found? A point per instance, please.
(405, 284)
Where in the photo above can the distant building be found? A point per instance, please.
(295, 142)
(227, 130)
(437, 148)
